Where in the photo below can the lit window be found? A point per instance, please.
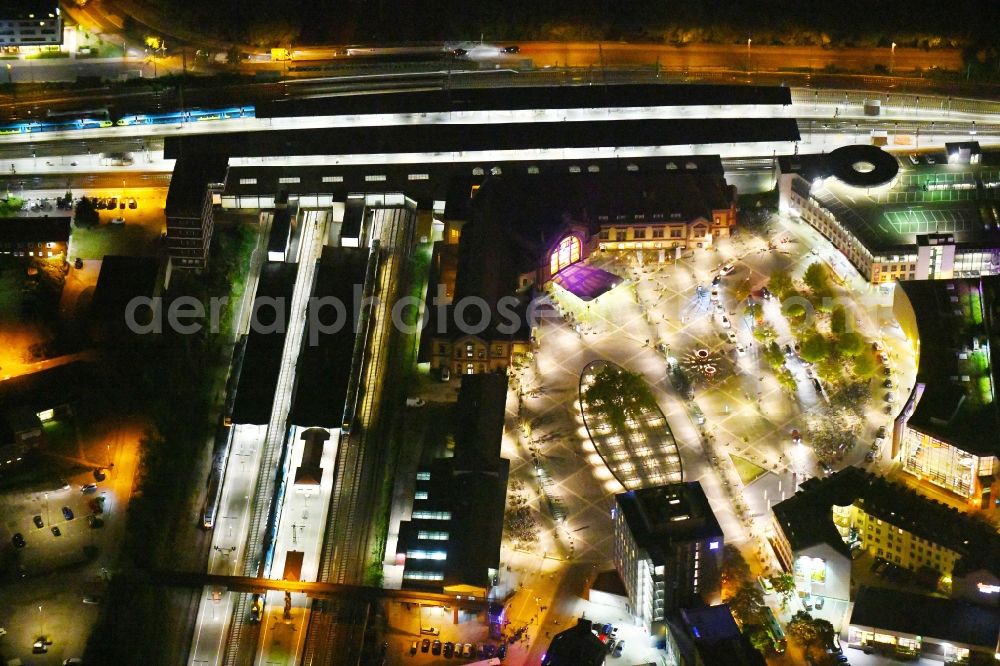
(423, 476)
(420, 495)
(426, 555)
(432, 535)
(333, 179)
(248, 181)
(373, 178)
(432, 515)
(288, 179)
(418, 176)
(423, 575)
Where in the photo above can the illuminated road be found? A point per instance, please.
(734, 56)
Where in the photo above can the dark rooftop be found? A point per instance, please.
(325, 362)
(281, 226)
(50, 388)
(921, 199)
(957, 322)
(444, 138)
(576, 646)
(34, 229)
(718, 638)
(27, 9)
(528, 97)
(121, 279)
(482, 401)
(261, 364)
(806, 517)
(661, 516)
(472, 486)
(932, 617)
(187, 184)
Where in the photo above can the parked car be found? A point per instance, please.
(513, 48)
(618, 649)
(890, 398)
(18, 540)
(887, 383)
(436, 648)
(716, 280)
(827, 469)
(413, 648)
(425, 645)
(449, 650)
(96, 505)
(112, 203)
(445, 373)
(715, 294)
(467, 651)
(727, 268)
(39, 523)
(881, 432)
(132, 203)
(740, 350)
(67, 513)
(502, 652)
(731, 336)
(725, 322)
(118, 221)
(94, 522)
(766, 293)
(870, 456)
(796, 436)
(415, 402)
(89, 488)
(56, 531)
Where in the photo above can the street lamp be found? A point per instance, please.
(749, 40)
(892, 57)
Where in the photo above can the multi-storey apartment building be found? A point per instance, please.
(816, 529)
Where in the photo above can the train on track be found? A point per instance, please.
(97, 118)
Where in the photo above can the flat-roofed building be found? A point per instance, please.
(668, 549)
(933, 219)
(816, 529)
(946, 431)
(195, 183)
(35, 237)
(907, 626)
(451, 543)
(30, 23)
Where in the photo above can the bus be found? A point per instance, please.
(774, 631)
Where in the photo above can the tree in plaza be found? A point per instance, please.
(853, 396)
(761, 640)
(832, 433)
(817, 278)
(86, 214)
(850, 344)
(735, 570)
(780, 283)
(784, 584)
(825, 631)
(747, 604)
(618, 394)
(802, 629)
(773, 355)
(864, 364)
(786, 379)
(796, 312)
(814, 348)
(838, 320)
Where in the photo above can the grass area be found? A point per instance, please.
(127, 239)
(60, 437)
(748, 471)
(12, 276)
